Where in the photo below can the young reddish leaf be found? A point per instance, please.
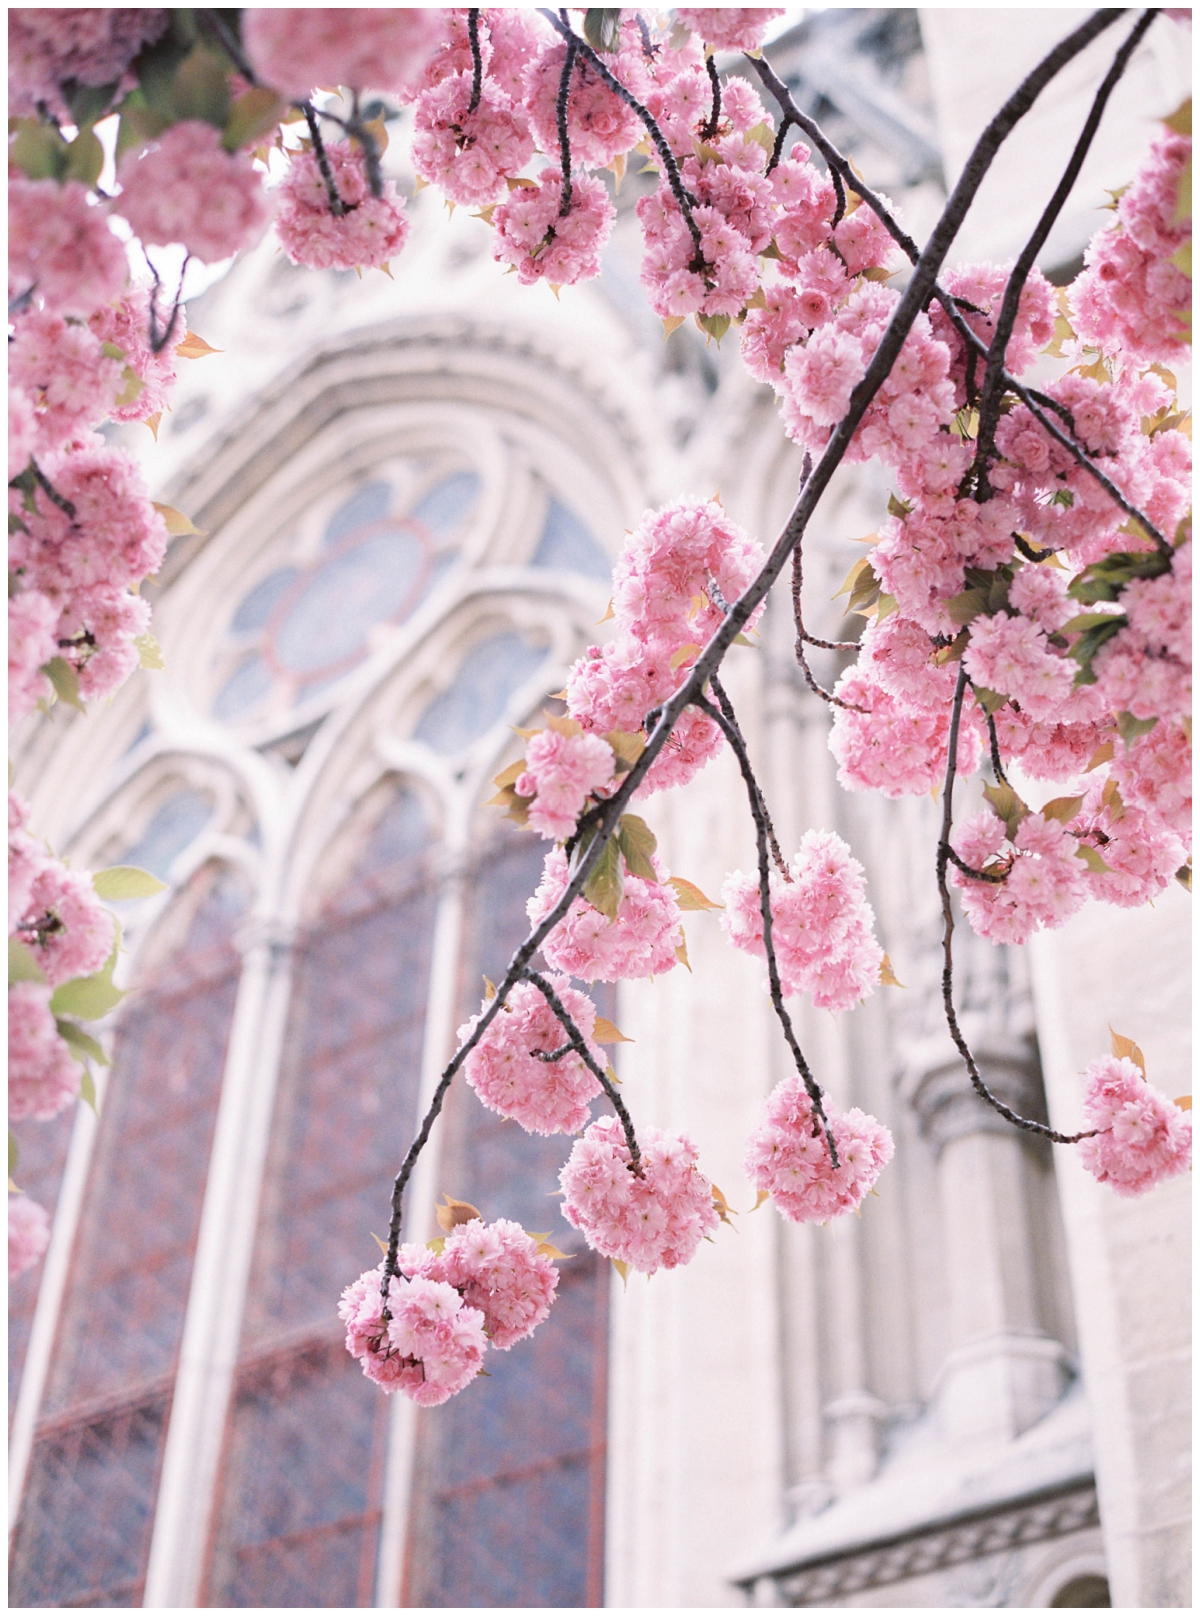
(622, 1268)
(627, 747)
(489, 989)
(1184, 1102)
(562, 725)
(1006, 805)
(1092, 859)
(606, 1032)
(1102, 754)
(1125, 1049)
(689, 896)
(763, 1195)
(887, 976)
(545, 1249)
(722, 1207)
(177, 523)
(382, 1244)
(681, 955)
(194, 347)
(510, 776)
(681, 656)
(455, 1212)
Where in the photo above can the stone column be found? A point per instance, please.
(1003, 1368)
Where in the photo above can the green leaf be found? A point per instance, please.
(637, 842)
(65, 681)
(85, 158)
(39, 151)
(1006, 805)
(990, 700)
(83, 1046)
(22, 966)
(121, 881)
(898, 508)
(201, 88)
(1063, 809)
(149, 652)
(88, 102)
(1129, 727)
(1184, 875)
(963, 609)
(714, 325)
(88, 997)
(253, 115)
(605, 886)
(602, 28)
(1091, 858)
(87, 1089)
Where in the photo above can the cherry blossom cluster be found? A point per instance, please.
(543, 1096)
(1133, 295)
(650, 1222)
(485, 1284)
(1141, 1136)
(369, 231)
(28, 1234)
(674, 569)
(497, 1268)
(642, 940)
(564, 766)
(43, 1075)
(821, 923)
(788, 1156)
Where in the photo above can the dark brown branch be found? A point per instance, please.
(1035, 402)
(564, 137)
(913, 300)
(758, 813)
(670, 167)
(336, 206)
(576, 1041)
(946, 856)
(52, 493)
(476, 59)
(993, 381)
(709, 129)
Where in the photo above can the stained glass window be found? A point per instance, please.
(83, 1536)
(508, 1508)
(299, 1511)
(488, 676)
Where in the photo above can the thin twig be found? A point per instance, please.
(759, 815)
(993, 381)
(726, 706)
(945, 856)
(708, 130)
(576, 1041)
(786, 123)
(52, 493)
(159, 338)
(1035, 402)
(476, 59)
(564, 140)
(680, 192)
(912, 302)
(336, 206)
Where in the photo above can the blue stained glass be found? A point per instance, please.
(262, 600)
(327, 622)
(173, 827)
(366, 504)
(245, 687)
(565, 543)
(487, 678)
(443, 507)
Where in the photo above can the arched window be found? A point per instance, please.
(331, 727)
(84, 1531)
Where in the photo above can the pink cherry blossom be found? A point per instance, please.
(1011, 655)
(63, 370)
(51, 45)
(656, 1221)
(149, 378)
(162, 186)
(43, 1075)
(1042, 882)
(432, 1346)
(884, 743)
(821, 923)
(371, 231)
(729, 27)
(561, 773)
(60, 248)
(28, 1234)
(544, 244)
(543, 1096)
(599, 124)
(787, 1156)
(32, 641)
(295, 51)
(496, 1268)
(1141, 1138)
(641, 941)
(469, 155)
(66, 928)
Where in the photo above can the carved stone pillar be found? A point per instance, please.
(1003, 1371)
